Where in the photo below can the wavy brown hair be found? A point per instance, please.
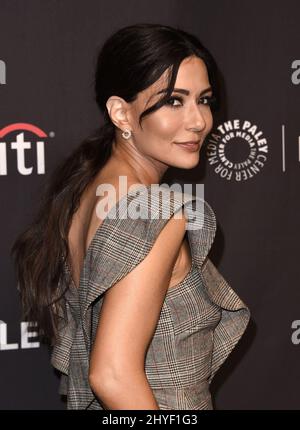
(130, 61)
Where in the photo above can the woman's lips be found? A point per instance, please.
(190, 146)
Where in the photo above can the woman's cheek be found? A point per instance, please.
(164, 125)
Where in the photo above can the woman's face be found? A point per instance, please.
(186, 117)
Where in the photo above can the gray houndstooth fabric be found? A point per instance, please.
(201, 320)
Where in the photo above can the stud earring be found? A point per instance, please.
(126, 134)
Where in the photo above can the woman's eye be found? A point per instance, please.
(208, 100)
(171, 100)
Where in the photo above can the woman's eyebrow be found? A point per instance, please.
(184, 91)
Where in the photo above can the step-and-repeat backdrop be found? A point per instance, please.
(250, 166)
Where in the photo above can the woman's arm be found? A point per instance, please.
(128, 318)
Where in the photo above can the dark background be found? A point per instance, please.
(49, 48)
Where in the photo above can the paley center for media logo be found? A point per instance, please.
(26, 335)
(12, 138)
(237, 150)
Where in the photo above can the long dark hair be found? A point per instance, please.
(130, 61)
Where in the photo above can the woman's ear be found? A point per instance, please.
(118, 111)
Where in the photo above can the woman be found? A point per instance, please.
(138, 316)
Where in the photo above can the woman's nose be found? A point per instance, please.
(196, 118)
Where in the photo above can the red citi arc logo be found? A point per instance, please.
(20, 145)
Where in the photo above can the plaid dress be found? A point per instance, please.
(201, 320)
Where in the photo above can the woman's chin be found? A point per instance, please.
(187, 162)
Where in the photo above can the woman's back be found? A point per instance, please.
(85, 223)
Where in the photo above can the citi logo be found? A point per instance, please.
(12, 138)
(2, 72)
